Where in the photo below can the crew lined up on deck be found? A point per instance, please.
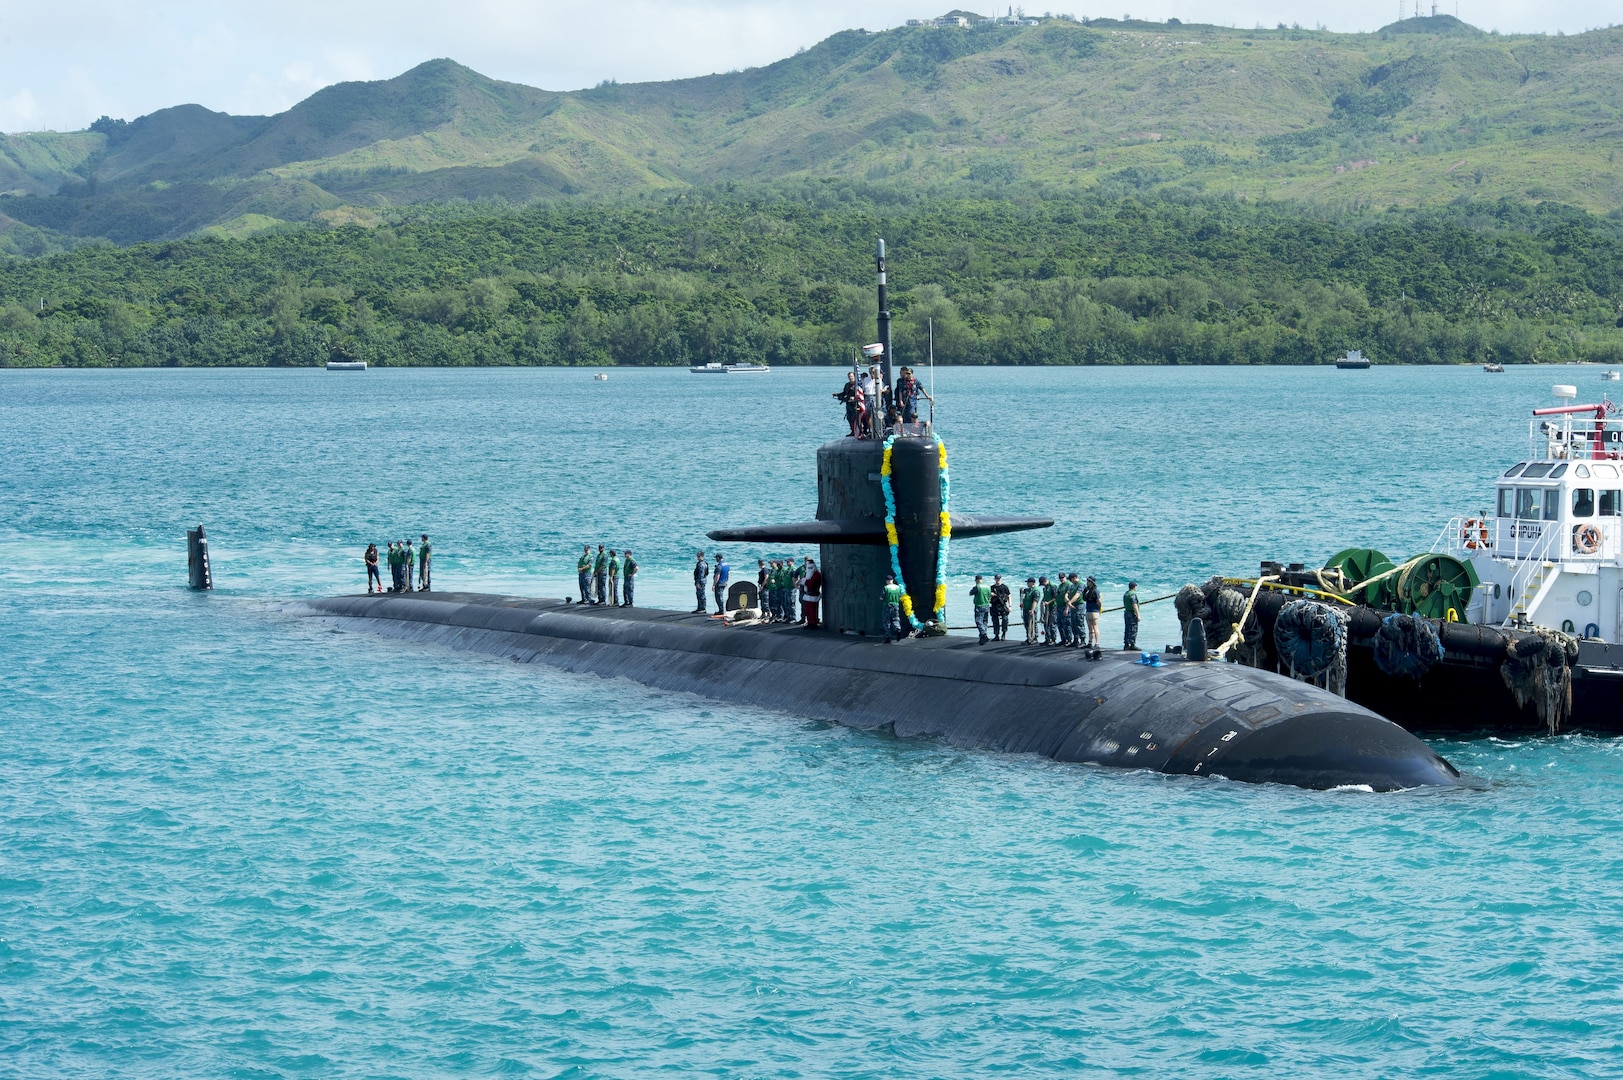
(1063, 611)
(614, 580)
(403, 561)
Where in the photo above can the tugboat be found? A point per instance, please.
(1510, 622)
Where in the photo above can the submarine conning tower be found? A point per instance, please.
(856, 527)
(852, 527)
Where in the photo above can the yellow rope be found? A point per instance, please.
(1234, 637)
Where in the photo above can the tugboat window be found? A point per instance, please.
(1583, 502)
(1552, 504)
(1582, 472)
(1611, 504)
(1515, 470)
(1560, 470)
(1527, 503)
(1537, 469)
(1608, 471)
(1507, 502)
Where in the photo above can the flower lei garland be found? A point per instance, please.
(941, 549)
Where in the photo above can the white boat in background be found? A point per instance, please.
(346, 365)
(714, 368)
(1353, 361)
(1611, 376)
(600, 377)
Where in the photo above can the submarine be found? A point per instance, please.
(884, 507)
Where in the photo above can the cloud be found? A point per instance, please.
(18, 111)
(132, 59)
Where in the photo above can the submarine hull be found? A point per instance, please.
(1189, 718)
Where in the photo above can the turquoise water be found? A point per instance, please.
(234, 842)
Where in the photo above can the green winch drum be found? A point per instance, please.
(1434, 585)
(1358, 565)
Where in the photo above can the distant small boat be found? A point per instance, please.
(1611, 376)
(346, 365)
(600, 377)
(1353, 361)
(1494, 367)
(714, 368)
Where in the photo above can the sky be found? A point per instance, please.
(64, 63)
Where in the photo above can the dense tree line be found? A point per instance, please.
(784, 276)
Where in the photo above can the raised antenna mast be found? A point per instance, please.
(884, 326)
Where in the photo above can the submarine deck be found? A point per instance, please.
(1183, 717)
(1008, 662)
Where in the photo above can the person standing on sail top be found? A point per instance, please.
(851, 395)
(908, 390)
(583, 567)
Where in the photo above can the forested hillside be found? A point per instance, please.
(784, 275)
(1419, 114)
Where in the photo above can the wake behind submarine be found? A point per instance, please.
(883, 506)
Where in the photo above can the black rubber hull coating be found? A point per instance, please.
(1188, 718)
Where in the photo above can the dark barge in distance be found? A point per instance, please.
(883, 506)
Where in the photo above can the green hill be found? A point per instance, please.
(1422, 112)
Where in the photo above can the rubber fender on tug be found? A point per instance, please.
(1407, 646)
(1538, 669)
(1191, 604)
(1309, 636)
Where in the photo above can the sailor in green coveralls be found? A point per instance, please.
(893, 610)
(1031, 602)
(584, 568)
(1050, 612)
(614, 579)
(628, 574)
(981, 596)
(600, 574)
